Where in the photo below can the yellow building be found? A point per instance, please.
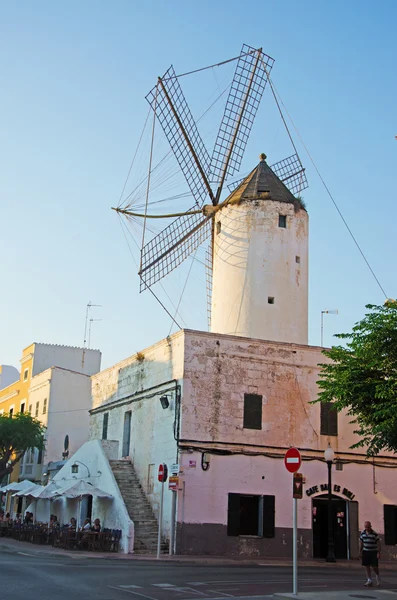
(14, 397)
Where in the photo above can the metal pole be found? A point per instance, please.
(172, 530)
(322, 329)
(331, 549)
(160, 520)
(295, 547)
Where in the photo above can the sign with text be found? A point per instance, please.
(173, 483)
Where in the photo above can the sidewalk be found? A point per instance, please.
(10, 545)
(373, 593)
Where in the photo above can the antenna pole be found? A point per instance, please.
(218, 193)
(87, 312)
(89, 331)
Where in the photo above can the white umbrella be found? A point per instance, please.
(81, 488)
(28, 491)
(78, 489)
(17, 486)
(45, 492)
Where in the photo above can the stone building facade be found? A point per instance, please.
(235, 405)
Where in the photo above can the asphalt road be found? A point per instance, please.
(41, 577)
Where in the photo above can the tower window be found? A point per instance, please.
(270, 300)
(218, 227)
(298, 259)
(282, 221)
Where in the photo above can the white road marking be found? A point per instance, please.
(163, 585)
(114, 587)
(131, 586)
(219, 592)
(196, 583)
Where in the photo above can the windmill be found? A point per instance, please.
(206, 174)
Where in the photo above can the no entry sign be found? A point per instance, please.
(292, 460)
(163, 473)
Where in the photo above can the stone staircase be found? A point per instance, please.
(138, 507)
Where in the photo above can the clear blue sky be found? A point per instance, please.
(73, 80)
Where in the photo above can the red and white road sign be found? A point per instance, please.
(163, 473)
(292, 460)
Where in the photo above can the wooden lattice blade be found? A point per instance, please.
(172, 246)
(180, 129)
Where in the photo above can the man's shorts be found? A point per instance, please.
(370, 558)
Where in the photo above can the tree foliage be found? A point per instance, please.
(18, 434)
(362, 378)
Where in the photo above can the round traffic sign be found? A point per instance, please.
(163, 473)
(292, 460)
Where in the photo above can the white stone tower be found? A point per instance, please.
(260, 262)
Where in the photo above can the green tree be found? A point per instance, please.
(362, 378)
(18, 434)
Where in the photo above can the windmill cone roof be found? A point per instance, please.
(264, 184)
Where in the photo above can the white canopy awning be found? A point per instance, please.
(27, 491)
(80, 488)
(17, 486)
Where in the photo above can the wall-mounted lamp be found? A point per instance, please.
(164, 402)
(75, 467)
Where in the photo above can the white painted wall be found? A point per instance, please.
(8, 375)
(68, 397)
(152, 428)
(255, 259)
(76, 359)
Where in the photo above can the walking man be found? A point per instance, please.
(370, 552)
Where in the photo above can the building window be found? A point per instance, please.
(40, 457)
(390, 528)
(298, 259)
(36, 414)
(22, 407)
(339, 465)
(252, 411)
(270, 299)
(282, 221)
(30, 409)
(328, 419)
(25, 374)
(218, 227)
(250, 515)
(105, 426)
(11, 411)
(44, 406)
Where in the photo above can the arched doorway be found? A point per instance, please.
(345, 527)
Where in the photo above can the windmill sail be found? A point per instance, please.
(172, 246)
(242, 104)
(289, 170)
(174, 115)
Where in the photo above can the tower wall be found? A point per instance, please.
(255, 260)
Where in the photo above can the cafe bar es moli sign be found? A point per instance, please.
(335, 488)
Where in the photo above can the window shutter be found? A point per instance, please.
(252, 411)
(389, 515)
(328, 419)
(268, 516)
(332, 421)
(105, 426)
(233, 515)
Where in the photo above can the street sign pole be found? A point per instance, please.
(162, 477)
(295, 547)
(160, 520)
(292, 461)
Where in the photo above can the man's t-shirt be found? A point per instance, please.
(369, 540)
